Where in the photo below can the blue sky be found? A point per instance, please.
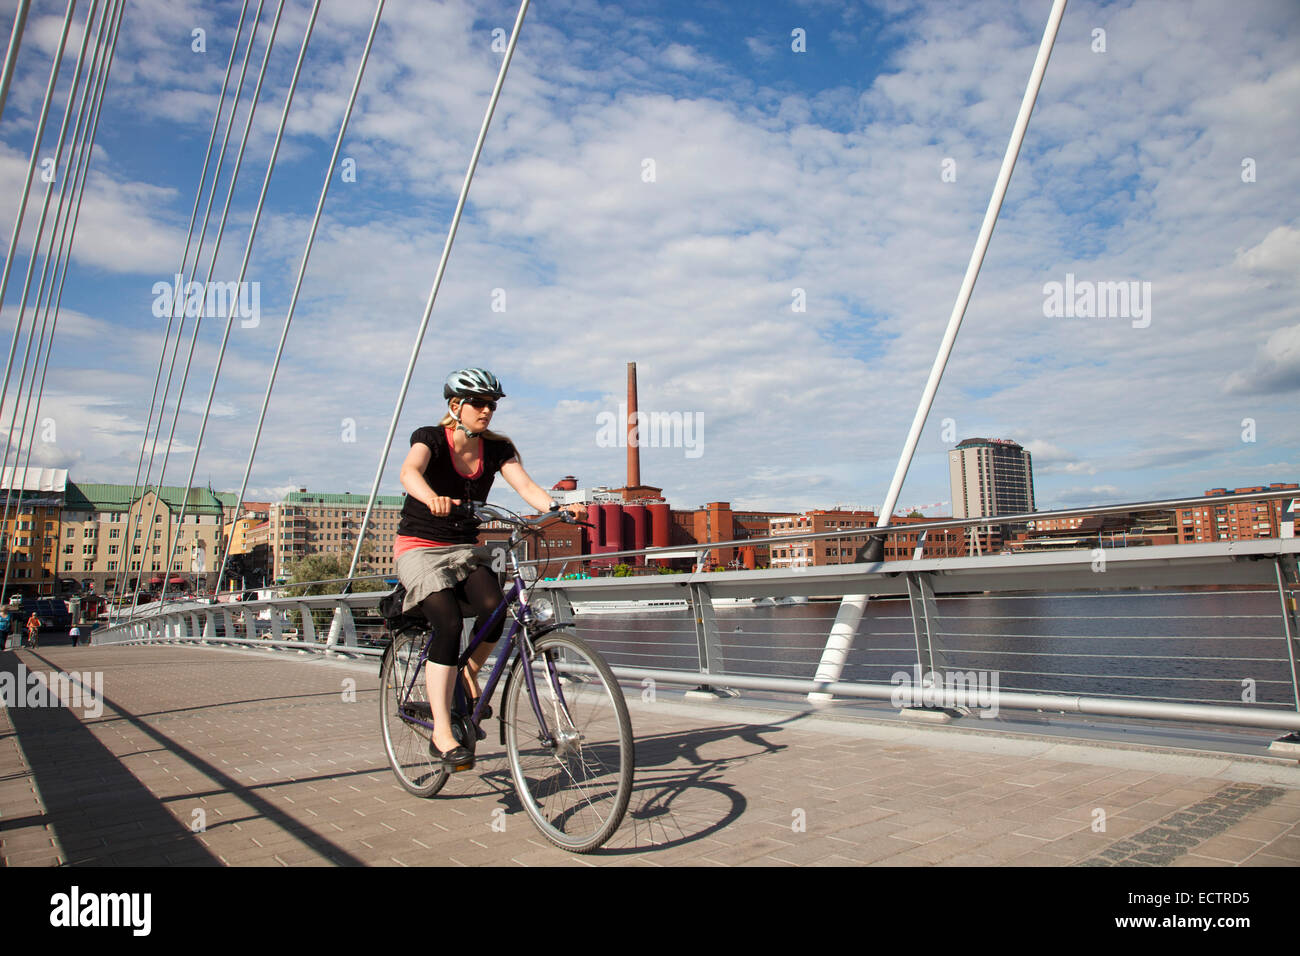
(775, 170)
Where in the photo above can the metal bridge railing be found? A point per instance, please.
(1205, 633)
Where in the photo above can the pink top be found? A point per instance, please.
(405, 542)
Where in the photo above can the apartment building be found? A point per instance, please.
(990, 477)
(1233, 520)
(107, 533)
(29, 537)
(899, 546)
(307, 523)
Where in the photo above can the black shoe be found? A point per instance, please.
(455, 760)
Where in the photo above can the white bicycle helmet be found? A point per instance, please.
(472, 383)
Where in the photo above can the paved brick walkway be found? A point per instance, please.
(204, 756)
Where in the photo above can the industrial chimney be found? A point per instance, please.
(633, 443)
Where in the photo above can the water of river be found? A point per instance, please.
(1221, 646)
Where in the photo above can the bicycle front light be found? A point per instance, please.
(543, 610)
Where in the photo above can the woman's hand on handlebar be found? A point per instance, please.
(441, 505)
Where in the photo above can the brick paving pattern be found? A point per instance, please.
(210, 757)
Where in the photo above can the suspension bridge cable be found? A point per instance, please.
(27, 185)
(83, 167)
(853, 605)
(62, 216)
(302, 268)
(171, 313)
(31, 267)
(224, 541)
(179, 297)
(15, 40)
(437, 279)
(207, 282)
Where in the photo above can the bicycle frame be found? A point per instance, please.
(514, 642)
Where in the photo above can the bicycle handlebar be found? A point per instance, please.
(482, 510)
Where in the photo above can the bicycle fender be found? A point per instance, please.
(505, 696)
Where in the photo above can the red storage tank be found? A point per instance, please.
(636, 528)
(660, 522)
(613, 530)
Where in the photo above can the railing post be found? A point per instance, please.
(706, 637)
(228, 619)
(276, 632)
(349, 625)
(1286, 574)
(308, 626)
(925, 626)
(342, 626)
(209, 626)
(563, 606)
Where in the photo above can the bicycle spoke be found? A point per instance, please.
(406, 743)
(575, 788)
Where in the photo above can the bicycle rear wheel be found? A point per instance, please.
(576, 784)
(407, 744)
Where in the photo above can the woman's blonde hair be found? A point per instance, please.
(449, 421)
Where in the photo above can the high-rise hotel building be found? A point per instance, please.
(990, 477)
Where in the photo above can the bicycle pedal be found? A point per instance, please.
(460, 767)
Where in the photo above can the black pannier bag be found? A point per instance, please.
(390, 608)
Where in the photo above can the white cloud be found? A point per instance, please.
(1276, 367)
(1278, 253)
(1130, 171)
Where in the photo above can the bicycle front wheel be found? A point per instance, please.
(402, 690)
(572, 769)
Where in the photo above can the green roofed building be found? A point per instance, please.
(306, 523)
(108, 533)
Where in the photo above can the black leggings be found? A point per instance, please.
(482, 592)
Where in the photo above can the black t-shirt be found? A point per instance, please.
(441, 474)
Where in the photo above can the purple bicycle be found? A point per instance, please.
(563, 721)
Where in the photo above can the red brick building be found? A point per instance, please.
(1233, 520)
(819, 553)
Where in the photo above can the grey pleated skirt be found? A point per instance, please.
(423, 571)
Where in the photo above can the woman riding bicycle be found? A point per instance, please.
(435, 553)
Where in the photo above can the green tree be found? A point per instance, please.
(326, 567)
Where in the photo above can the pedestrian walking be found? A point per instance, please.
(75, 634)
(6, 625)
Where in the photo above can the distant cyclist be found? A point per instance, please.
(435, 553)
(33, 630)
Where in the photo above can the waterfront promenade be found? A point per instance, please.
(209, 757)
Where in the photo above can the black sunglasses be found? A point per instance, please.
(481, 403)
